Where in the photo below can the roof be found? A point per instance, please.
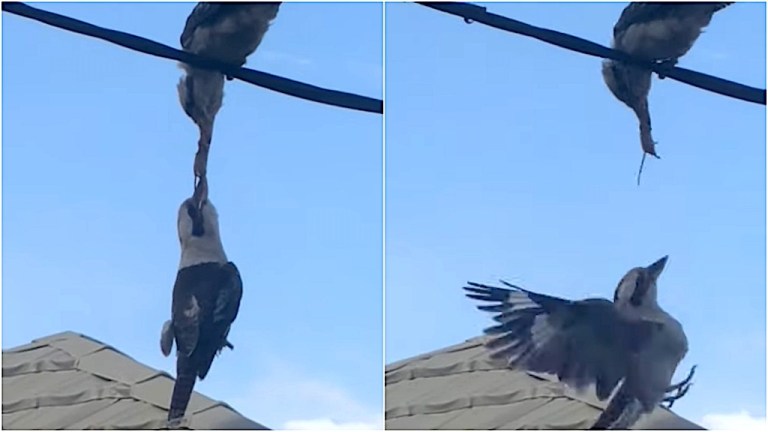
(459, 388)
(71, 381)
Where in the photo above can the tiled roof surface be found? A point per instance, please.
(459, 388)
(70, 381)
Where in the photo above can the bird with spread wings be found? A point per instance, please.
(630, 342)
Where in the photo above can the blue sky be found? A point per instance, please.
(97, 157)
(509, 158)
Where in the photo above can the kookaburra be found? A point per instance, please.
(206, 298)
(224, 31)
(659, 32)
(630, 342)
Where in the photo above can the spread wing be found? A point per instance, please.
(645, 12)
(582, 342)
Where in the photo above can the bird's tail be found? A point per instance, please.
(182, 390)
(621, 413)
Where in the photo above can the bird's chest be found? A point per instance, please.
(670, 342)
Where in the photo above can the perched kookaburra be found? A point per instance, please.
(224, 31)
(656, 32)
(206, 298)
(630, 342)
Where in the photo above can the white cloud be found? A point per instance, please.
(328, 424)
(292, 399)
(741, 420)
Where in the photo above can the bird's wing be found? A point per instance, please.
(582, 342)
(166, 338)
(225, 308)
(229, 296)
(644, 12)
(203, 12)
(207, 14)
(186, 313)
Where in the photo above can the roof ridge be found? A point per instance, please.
(467, 344)
(79, 380)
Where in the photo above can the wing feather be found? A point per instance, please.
(582, 342)
(645, 12)
(204, 13)
(186, 320)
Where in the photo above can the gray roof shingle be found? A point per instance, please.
(71, 381)
(459, 388)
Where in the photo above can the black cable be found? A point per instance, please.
(261, 79)
(471, 12)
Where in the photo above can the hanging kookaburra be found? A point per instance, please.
(630, 342)
(224, 31)
(206, 299)
(659, 32)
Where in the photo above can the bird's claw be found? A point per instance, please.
(680, 389)
(670, 400)
(665, 66)
(684, 382)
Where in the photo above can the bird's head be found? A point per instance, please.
(198, 228)
(638, 286)
(197, 222)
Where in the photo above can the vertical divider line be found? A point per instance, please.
(383, 211)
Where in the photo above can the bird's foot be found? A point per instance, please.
(665, 66)
(670, 400)
(684, 382)
(229, 77)
(680, 389)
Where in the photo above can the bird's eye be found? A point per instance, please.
(197, 220)
(639, 292)
(191, 211)
(618, 288)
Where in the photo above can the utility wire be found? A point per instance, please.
(471, 12)
(146, 46)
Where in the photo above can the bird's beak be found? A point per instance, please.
(201, 193)
(656, 268)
